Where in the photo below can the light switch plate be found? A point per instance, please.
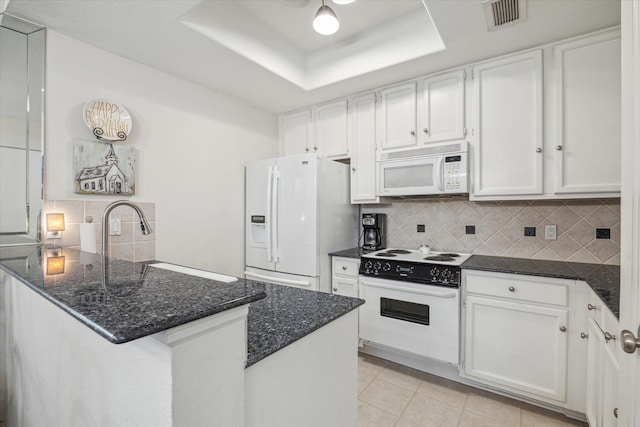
(550, 231)
(115, 227)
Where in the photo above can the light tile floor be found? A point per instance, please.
(392, 395)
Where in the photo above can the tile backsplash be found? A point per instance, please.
(131, 245)
(499, 228)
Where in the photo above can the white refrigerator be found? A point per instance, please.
(297, 211)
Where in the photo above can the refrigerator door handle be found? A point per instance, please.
(274, 216)
(277, 279)
(269, 197)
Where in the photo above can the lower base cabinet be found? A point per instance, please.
(602, 365)
(522, 336)
(344, 276)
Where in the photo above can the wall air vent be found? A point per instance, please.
(502, 13)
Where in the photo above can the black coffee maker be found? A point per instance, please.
(373, 230)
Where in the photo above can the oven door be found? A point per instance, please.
(410, 176)
(420, 319)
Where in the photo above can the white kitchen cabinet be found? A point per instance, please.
(296, 133)
(441, 107)
(362, 142)
(508, 126)
(396, 119)
(516, 334)
(330, 129)
(344, 276)
(602, 363)
(587, 132)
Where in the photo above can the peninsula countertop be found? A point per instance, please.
(139, 300)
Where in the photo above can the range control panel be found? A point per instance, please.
(407, 271)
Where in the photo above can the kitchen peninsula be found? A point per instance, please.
(138, 345)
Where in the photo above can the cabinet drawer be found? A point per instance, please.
(346, 266)
(522, 288)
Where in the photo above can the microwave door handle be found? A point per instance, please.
(439, 175)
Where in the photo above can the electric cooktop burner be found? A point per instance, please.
(443, 258)
(401, 255)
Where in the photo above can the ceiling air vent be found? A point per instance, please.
(501, 13)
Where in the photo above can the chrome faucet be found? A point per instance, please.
(144, 224)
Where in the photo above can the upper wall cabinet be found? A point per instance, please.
(507, 126)
(362, 140)
(321, 129)
(295, 133)
(587, 133)
(441, 107)
(330, 129)
(397, 117)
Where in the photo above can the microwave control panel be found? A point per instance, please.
(455, 173)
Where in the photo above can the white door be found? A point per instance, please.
(508, 134)
(258, 188)
(441, 107)
(362, 135)
(295, 133)
(629, 378)
(330, 126)
(397, 117)
(295, 232)
(587, 144)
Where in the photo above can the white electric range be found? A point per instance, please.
(413, 302)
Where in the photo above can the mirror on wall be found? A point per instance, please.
(22, 61)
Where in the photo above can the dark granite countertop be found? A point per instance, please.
(603, 279)
(134, 301)
(288, 314)
(349, 253)
(140, 300)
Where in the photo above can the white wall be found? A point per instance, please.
(192, 146)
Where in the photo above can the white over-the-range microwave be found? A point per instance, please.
(436, 169)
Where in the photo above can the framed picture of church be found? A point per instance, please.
(103, 168)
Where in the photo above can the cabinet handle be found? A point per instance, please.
(306, 149)
(512, 289)
(615, 412)
(538, 150)
(559, 147)
(584, 336)
(353, 169)
(335, 289)
(315, 148)
(425, 130)
(413, 133)
(563, 329)
(591, 307)
(344, 267)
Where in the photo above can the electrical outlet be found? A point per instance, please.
(115, 227)
(470, 229)
(420, 228)
(603, 233)
(550, 232)
(530, 231)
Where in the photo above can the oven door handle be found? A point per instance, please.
(415, 291)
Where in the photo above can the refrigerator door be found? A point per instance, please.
(259, 204)
(295, 215)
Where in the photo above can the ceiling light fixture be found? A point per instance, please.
(326, 21)
(342, 1)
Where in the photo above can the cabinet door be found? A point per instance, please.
(362, 138)
(507, 126)
(330, 126)
(519, 346)
(594, 375)
(588, 114)
(345, 286)
(441, 107)
(295, 133)
(397, 117)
